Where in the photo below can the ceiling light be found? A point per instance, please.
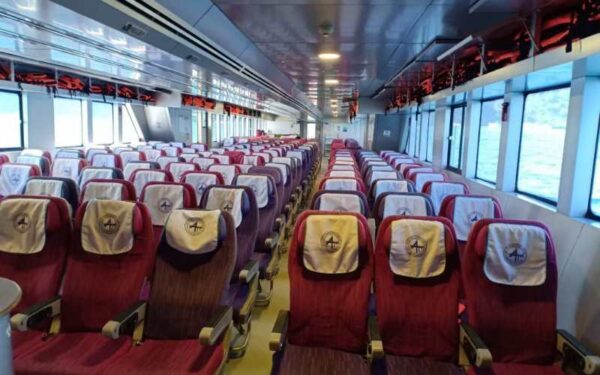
(329, 56)
(331, 82)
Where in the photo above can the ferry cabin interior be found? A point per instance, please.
(300, 187)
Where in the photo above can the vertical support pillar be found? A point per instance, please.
(471, 134)
(440, 134)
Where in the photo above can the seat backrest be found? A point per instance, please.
(153, 154)
(409, 172)
(119, 190)
(163, 161)
(510, 280)
(201, 180)
(343, 184)
(133, 166)
(163, 197)
(35, 234)
(67, 153)
(130, 155)
(284, 170)
(421, 178)
(13, 177)
(203, 162)
(109, 263)
(90, 173)
(465, 210)
(402, 204)
(255, 160)
(36, 153)
(107, 161)
(221, 159)
(402, 167)
(381, 186)
(41, 162)
(142, 177)
(172, 150)
(64, 188)
(67, 168)
(330, 270)
(91, 152)
(417, 275)
(373, 176)
(228, 171)
(438, 190)
(266, 156)
(341, 201)
(179, 168)
(240, 202)
(200, 147)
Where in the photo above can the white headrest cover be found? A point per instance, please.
(142, 177)
(161, 200)
(404, 205)
(295, 154)
(228, 200)
(419, 170)
(192, 231)
(199, 147)
(127, 156)
(260, 186)
(379, 175)
(200, 181)
(104, 160)
(28, 159)
(515, 255)
(401, 160)
(417, 248)
(13, 178)
(467, 211)
(152, 155)
(341, 162)
(177, 169)
(340, 202)
(244, 168)
(282, 168)
(390, 186)
(228, 172)
(107, 227)
(217, 151)
(381, 168)
(163, 161)
(223, 159)
(346, 184)
(161, 146)
(285, 160)
(204, 163)
(404, 167)
(331, 244)
(32, 152)
(172, 151)
(68, 154)
(440, 190)
(103, 190)
(95, 173)
(376, 162)
(342, 174)
(337, 167)
(423, 178)
(132, 167)
(344, 158)
(23, 225)
(251, 159)
(51, 188)
(188, 157)
(66, 168)
(188, 150)
(205, 154)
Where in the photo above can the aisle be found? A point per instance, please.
(258, 358)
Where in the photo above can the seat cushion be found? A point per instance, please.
(169, 357)
(24, 342)
(302, 360)
(72, 353)
(517, 369)
(417, 366)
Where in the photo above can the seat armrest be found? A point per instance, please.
(375, 344)
(473, 346)
(272, 241)
(279, 331)
(35, 314)
(250, 271)
(126, 322)
(280, 222)
(575, 355)
(216, 326)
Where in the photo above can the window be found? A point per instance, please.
(102, 123)
(130, 132)
(488, 147)
(542, 141)
(311, 130)
(11, 126)
(455, 138)
(195, 130)
(430, 132)
(68, 122)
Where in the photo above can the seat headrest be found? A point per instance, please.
(144, 176)
(163, 161)
(129, 156)
(516, 254)
(133, 166)
(69, 154)
(337, 167)
(254, 160)
(350, 174)
(107, 227)
(228, 172)
(172, 150)
(347, 184)
(219, 151)
(195, 231)
(331, 244)
(422, 178)
(405, 204)
(107, 190)
(232, 200)
(66, 168)
(203, 162)
(412, 171)
(266, 156)
(378, 175)
(418, 247)
(94, 173)
(23, 225)
(284, 169)
(105, 160)
(153, 155)
(162, 198)
(261, 185)
(178, 169)
(438, 190)
(403, 167)
(469, 210)
(46, 186)
(381, 186)
(339, 201)
(13, 178)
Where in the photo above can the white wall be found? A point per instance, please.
(341, 128)
(282, 125)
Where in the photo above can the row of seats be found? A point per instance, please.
(146, 254)
(390, 306)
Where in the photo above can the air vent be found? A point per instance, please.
(134, 30)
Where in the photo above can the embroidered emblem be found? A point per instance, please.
(165, 205)
(416, 246)
(331, 241)
(475, 216)
(515, 254)
(109, 224)
(22, 223)
(194, 226)
(227, 206)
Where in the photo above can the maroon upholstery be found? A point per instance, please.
(417, 317)
(329, 311)
(304, 360)
(127, 193)
(418, 366)
(4, 159)
(39, 274)
(516, 369)
(517, 323)
(235, 157)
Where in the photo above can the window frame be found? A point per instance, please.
(21, 122)
(462, 107)
(590, 213)
(525, 95)
(491, 99)
(429, 123)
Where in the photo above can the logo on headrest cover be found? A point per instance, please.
(201, 187)
(15, 178)
(165, 205)
(416, 246)
(194, 226)
(67, 170)
(109, 224)
(253, 187)
(22, 223)
(331, 241)
(404, 211)
(475, 216)
(515, 254)
(227, 206)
